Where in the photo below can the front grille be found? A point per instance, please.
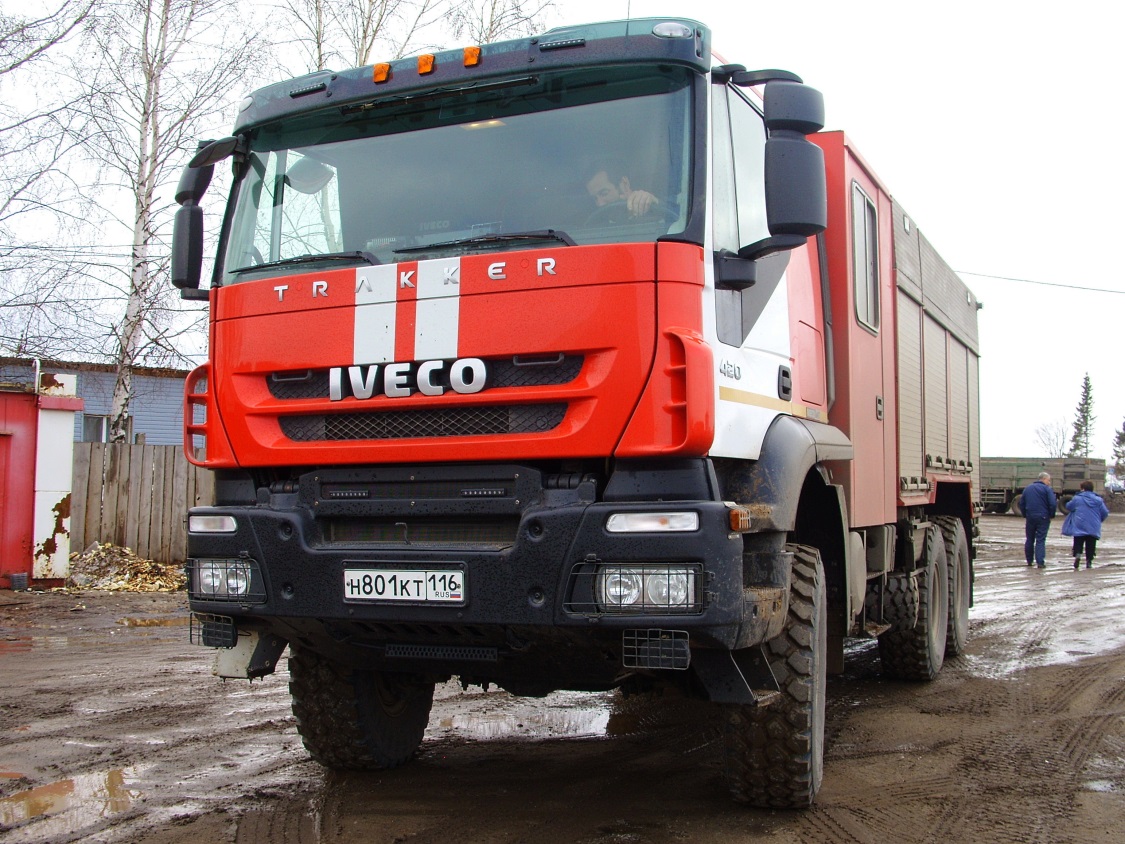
(510, 372)
(409, 424)
(499, 532)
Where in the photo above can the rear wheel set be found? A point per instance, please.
(917, 653)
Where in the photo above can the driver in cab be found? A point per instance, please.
(610, 185)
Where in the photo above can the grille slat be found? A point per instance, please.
(400, 531)
(313, 384)
(410, 424)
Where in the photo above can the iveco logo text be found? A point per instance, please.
(397, 380)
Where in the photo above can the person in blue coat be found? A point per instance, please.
(1086, 512)
(1038, 504)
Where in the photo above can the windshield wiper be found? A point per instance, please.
(490, 239)
(355, 257)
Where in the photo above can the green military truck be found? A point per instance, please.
(1002, 479)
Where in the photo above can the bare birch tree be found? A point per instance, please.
(345, 33)
(166, 72)
(1052, 437)
(484, 21)
(39, 202)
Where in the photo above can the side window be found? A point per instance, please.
(739, 209)
(724, 209)
(865, 258)
(748, 134)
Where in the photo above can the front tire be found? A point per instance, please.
(353, 719)
(774, 755)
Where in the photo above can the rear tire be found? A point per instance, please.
(774, 755)
(960, 583)
(352, 719)
(918, 653)
(900, 607)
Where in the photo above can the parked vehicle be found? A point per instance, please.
(469, 421)
(1114, 486)
(1003, 479)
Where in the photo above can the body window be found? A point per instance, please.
(865, 258)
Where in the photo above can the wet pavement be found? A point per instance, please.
(114, 730)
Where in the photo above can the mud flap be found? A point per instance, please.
(741, 676)
(253, 656)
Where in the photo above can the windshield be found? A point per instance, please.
(585, 157)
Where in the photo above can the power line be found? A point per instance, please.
(1041, 283)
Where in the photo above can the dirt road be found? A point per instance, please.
(112, 729)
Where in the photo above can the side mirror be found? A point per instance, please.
(187, 251)
(187, 227)
(796, 191)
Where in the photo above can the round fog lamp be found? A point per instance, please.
(238, 580)
(210, 580)
(621, 587)
(667, 589)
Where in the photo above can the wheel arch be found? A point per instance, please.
(789, 492)
(955, 499)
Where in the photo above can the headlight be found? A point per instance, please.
(198, 523)
(646, 588)
(652, 522)
(227, 580)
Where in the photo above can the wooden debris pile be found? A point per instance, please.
(116, 569)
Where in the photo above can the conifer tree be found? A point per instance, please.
(1083, 421)
(1117, 456)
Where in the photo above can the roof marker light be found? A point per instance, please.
(472, 56)
(672, 29)
(382, 72)
(425, 64)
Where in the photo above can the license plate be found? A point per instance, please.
(424, 586)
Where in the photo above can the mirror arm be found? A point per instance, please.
(771, 246)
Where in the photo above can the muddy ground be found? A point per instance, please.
(112, 729)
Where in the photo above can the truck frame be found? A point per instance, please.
(469, 420)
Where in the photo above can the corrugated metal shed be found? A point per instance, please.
(157, 406)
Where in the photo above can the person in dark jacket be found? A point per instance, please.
(1038, 504)
(1086, 512)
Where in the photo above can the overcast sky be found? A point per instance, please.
(995, 124)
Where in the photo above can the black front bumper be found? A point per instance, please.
(525, 544)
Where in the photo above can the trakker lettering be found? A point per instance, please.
(398, 380)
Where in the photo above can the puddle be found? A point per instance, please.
(1102, 786)
(176, 621)
(71, 804)
(22, 644)
(571, 714)
(15, 645)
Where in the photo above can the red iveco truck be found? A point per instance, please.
(583, 361)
